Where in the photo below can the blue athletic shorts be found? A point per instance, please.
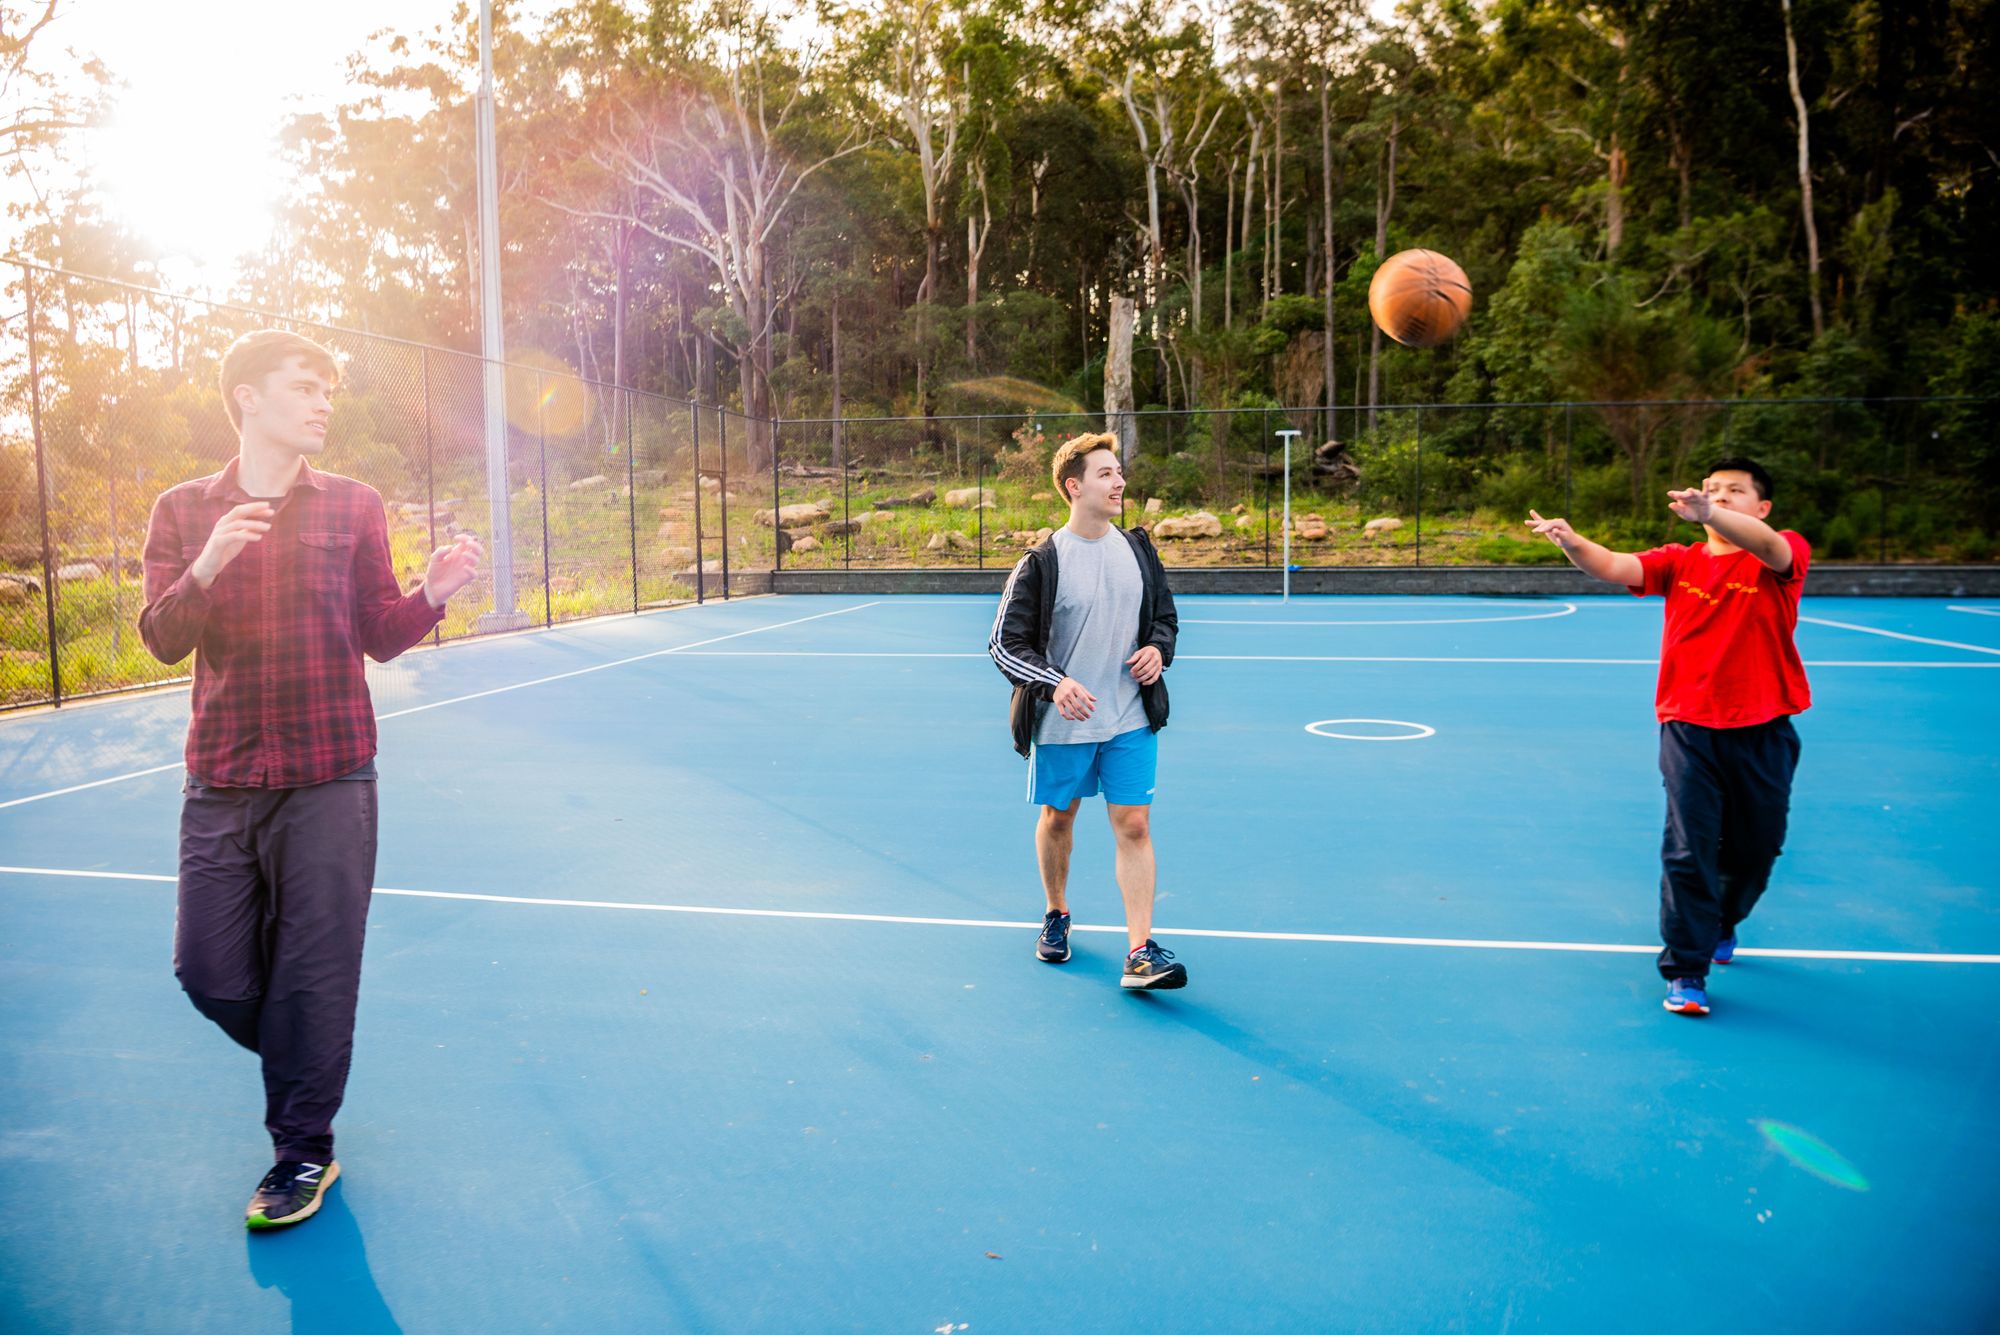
(1122, 769)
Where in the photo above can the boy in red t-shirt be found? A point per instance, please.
(1730, 681)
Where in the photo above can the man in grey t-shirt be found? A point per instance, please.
(1086, 624)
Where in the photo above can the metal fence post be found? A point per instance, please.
(542, 429)
(777, 547)
(1420, 486)
(42, 495)
(631, 494)
(430, 466)
(700, 544)
(846, 512)
(722, 447)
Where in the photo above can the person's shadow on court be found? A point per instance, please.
(322, 1267)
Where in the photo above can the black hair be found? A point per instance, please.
(1736, 464)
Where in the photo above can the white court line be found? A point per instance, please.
(1976, 611)
(1317, 658)
(894, 919)
(476, 695)
(1565, 609)
(1899, 635)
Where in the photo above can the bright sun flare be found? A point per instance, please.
(187, 175)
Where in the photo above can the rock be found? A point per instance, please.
(1043, 496)
(711, 484)
(1312, 528)
(951, 540)
(79, 570)
(712, 566)
(966, 498)
(807, 543)
(1042, 535)
(1154, 505)
(676, 556)
(586, 483)
(841, 528)
(1200, 524)
(1386, 524)
(795, 516)
(914, 500)
(1238, 508)
(18, 589)
(1244, 521)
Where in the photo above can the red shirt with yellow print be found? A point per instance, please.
(1727, 656)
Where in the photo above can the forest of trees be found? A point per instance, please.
(927, 207)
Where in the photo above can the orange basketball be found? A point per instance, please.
(1419, 298)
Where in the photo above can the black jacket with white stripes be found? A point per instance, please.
(1019, 643)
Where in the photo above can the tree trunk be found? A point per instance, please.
(1385, 207)
(1616, 167)
(1228, 257)
(1805, 171)
(839, 428)
(1118, 379)
(1326, 243)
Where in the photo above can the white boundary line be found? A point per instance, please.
(1899, 635)
(1331, 938)
(1321, 658)
(476, 695)
(1976, 611)
(1565, 609)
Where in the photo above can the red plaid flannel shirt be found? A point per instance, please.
(280, 695)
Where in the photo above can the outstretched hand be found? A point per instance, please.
(1557, 531)
(452, 568)
(1692, 504)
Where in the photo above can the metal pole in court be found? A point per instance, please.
(504, 616)
(1288, 435)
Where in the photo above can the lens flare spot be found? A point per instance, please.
(1807, 1151)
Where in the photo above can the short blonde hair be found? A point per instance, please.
(1069, 458)
(254, 356)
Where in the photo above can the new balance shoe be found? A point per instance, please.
(1687, 996)
(290, 1192)
(1053, 944)
(1725, 951)
(1151, 967)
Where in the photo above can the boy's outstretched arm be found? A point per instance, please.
(1593, 559)
(1749, 532)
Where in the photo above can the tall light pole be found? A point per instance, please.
(1287, 437)
(493, 347)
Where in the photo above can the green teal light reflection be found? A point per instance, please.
(1809, 1152)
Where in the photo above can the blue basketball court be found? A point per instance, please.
(700, 995)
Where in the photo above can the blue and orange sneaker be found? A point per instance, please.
(1725, 951)
(1687, 996)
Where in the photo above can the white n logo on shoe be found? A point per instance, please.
(309, 1175)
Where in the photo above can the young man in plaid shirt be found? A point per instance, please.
(277, 577)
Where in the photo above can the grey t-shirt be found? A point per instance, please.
(1095, 629)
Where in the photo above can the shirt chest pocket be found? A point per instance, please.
(326, 562)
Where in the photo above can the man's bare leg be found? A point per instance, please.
(1132, 828)
(1055, 833)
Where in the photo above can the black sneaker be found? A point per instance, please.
(1053, 944)
(1150, 967)
(290, 1192)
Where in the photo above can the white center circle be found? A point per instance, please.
(1324, 727)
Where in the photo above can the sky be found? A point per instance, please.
(188, 159)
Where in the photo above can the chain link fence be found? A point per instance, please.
(619, 501)
(108, 397)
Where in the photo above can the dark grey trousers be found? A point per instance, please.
(274, 889)
(1729, 793)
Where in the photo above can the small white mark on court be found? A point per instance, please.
(1327, 727)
